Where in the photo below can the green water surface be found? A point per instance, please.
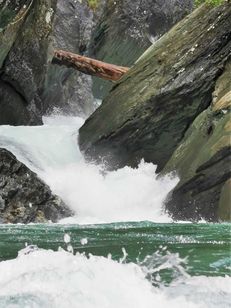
(206, 247)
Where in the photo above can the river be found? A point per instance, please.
(120, 249)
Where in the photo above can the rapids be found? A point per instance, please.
(51, 151)
(108, 255)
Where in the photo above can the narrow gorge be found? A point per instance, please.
(115, 193)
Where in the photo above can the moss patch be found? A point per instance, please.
(213, 2)
(93, 4)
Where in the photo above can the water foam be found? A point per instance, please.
(125, 195)
(44, 278)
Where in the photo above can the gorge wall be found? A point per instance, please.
(30, 30)
(172, 108)
(127, 28)
(148, 113)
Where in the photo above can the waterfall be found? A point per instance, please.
(52, 152)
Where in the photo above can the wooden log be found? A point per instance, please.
(89, 66)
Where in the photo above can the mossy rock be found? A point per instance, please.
(173, 109)
(128, 28)
(148, 112)
(203, 161)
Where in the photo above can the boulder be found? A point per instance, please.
(148, 112)
(127, 28)
(25, 198)
(203, 161)
(24, 41)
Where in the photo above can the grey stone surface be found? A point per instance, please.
(173, 109)
(149, 110)
(25, 198)
(24, 64)
(203, 161)
(127, 28)
(66, 89)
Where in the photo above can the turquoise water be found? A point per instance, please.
(138, 264)
(206, 247)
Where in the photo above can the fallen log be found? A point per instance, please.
(89, 66)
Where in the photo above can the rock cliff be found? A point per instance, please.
(203, 161)
(24, 40)
(127, 28)
(66, 89)
(164, 108)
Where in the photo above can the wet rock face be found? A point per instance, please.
(67, 89)
(25, 41)
(12, 16)
(149, 110)
(173, 109)
(12, 107)
(24, 198)
(34, 86)
(203, 161)
(24, 45)
(199, 197)
(128, 28)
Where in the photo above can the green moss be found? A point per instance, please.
(214, 2)
(6, 17)
(93, 4)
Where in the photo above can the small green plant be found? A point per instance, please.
(214, 2)
(93, 4)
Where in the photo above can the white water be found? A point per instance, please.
(47, 279)
(51, 151)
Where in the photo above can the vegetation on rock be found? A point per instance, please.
(205, 176)
(214, 2)
(93, 4)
